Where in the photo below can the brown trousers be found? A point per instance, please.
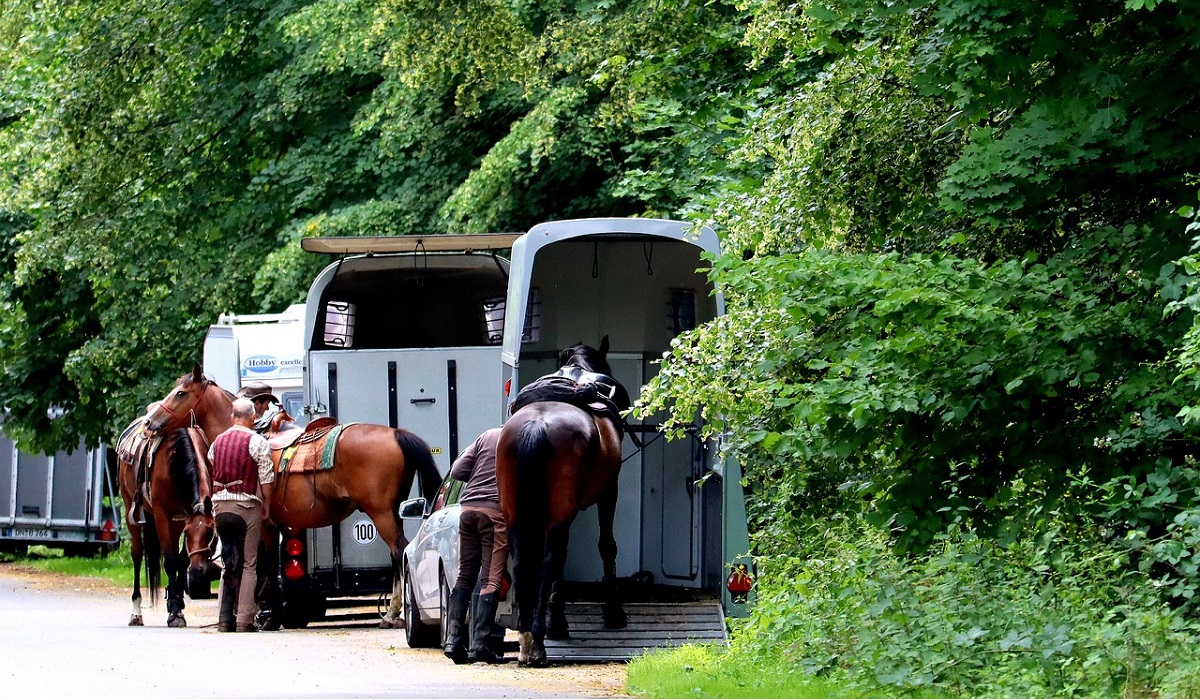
(482, 544)
(239, 525)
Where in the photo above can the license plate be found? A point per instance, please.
(33, 533)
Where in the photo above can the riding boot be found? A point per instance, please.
(456, 617)
(483, 614)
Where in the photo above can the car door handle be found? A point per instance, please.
(422, 400)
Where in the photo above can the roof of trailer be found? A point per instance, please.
(442, 242)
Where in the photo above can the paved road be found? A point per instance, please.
(69, 638)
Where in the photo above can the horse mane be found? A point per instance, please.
(587, 357)
(185, 470)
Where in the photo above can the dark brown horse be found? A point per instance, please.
(554, 460)
(373, 470)
(174, 502)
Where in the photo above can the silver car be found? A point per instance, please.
(430, 567)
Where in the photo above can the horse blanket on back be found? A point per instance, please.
(598, 394)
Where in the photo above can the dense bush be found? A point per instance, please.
(1057, 615)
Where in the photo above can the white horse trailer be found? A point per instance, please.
(405, 333)
(680, 523)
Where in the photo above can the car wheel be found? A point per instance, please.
(418, 634)
(298, 608)
(443, 608)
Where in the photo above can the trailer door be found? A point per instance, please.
(447, 396)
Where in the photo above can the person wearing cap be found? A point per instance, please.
(266, 594)
(266, 405)
(243, 480)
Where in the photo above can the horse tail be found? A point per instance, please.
(152, 552)
(417, 454)
(532, 510)
(533, 462)
(185, 472)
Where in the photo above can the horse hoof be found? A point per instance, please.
(532, 653)
(136, 621)
(176, 620)
(614, 616)
(525, 639)
(266, 622)
(386, 624)
(537, 657)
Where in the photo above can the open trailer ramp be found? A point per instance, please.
(650, 626)
(657, 616)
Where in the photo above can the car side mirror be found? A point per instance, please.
(413, 509)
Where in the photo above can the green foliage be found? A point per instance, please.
(169, 156)
(928, 384)
(1055, 615)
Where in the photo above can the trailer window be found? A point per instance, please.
(492, 311)
(681, 313)
(533, 317)
(492, 315)
(339, 324)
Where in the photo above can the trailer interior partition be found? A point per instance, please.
(406, 332)
(680, 519)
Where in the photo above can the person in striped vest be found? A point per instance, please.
(243, 478)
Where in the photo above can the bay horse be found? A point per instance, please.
(174, 501)
(373, 471)
(554, 460)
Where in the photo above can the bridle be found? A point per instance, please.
(191, 409)
(206, 548)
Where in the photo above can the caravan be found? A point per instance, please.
(241, 349)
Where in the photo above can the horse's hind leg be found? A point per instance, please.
(556, 604)
(552, 573)
(391, 530)
(528, 549)
(614, 613)
(391, 618)
(135, 551)
(267, 594)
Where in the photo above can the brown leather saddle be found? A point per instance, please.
(305, 449)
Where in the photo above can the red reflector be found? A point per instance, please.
(507, 386)
(293, 570)
(108, 526)
(293, 547)
(739, 582)
(106, 536)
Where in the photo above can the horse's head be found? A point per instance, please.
(587, 357)
(200, 538)
(174, 410)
